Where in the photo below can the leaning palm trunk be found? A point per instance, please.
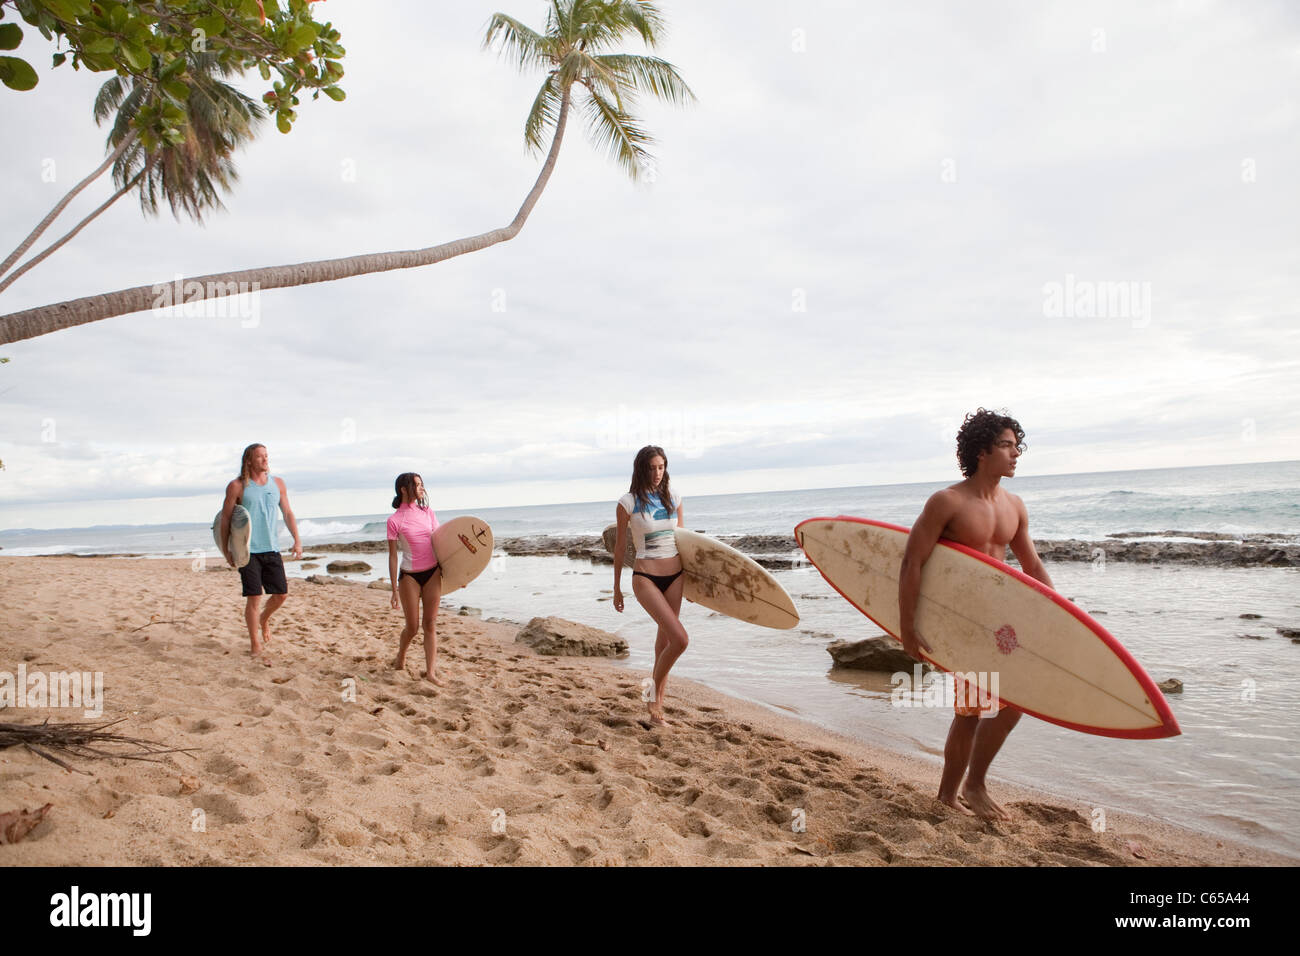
(55, 246)
(63, 315)
(63, 203)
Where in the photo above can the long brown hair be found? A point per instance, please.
(248, 457)
(406, 481)
(642, 482)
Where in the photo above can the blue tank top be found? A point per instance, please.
(262, 502)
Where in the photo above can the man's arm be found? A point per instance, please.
(1022, 546)
(925, 534)
(233, 492)
(290, 521)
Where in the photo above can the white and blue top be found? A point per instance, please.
(652, 531)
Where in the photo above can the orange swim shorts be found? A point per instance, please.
(969, 701)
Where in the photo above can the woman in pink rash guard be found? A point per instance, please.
(410, 530)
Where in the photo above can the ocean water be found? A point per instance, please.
(1231, 499)
(1235, 771)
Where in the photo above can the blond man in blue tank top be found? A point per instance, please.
(262, 494)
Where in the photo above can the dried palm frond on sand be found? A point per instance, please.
(84, 739)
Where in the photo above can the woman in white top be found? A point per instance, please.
(651, 511)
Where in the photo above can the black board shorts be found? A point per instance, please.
(264, 570)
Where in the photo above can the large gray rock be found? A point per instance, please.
(556, 636)
(329, 579)
(872, 654)
(347, 567)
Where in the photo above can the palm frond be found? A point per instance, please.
(648, 74)
(519, 42)
(543, 115)
(595, 75)
(612, 19)
(109, 98)
(616, 132)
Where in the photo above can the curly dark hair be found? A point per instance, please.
(977, 434)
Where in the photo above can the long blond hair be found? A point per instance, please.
(244, 462)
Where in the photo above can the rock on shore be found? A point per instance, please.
(556, 636)
(871, 654)
(779, 552)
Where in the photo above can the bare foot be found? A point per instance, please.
(657, 715)
(433, 677)
(400, 662)
(266, 629)
(260, 656)
(983, 806)
(954, 803)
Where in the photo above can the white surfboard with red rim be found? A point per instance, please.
(983, 616)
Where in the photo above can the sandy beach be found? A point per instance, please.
(520, 759)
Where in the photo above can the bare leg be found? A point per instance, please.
(252, 606)
(989, 738)
(672, 639)
(956, 755)
(264, 619)
(432, 595)
(408, 592)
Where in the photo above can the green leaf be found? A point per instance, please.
(177, 89)
(301, 38)
(212, 25)
(175, 67)
(336, 94)
(59, 59)
(137, 55)
(65, 10)
(283, 123)
(17, 74)
(10, 36)
(100, 45)
(264, 69)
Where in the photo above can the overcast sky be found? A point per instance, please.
(877, 217)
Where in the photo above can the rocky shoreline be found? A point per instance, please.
(779, 552)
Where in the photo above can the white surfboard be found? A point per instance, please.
(982, 616)
(723, 579)
(241, 530)
(463, 547)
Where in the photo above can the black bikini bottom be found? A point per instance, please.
(421, 577)
(662, 581)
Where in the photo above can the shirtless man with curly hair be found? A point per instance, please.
(980, 513)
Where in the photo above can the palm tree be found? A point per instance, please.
(570, 50)
(190, 174)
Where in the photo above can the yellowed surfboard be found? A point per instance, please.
(723, 579)
(463, 547)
